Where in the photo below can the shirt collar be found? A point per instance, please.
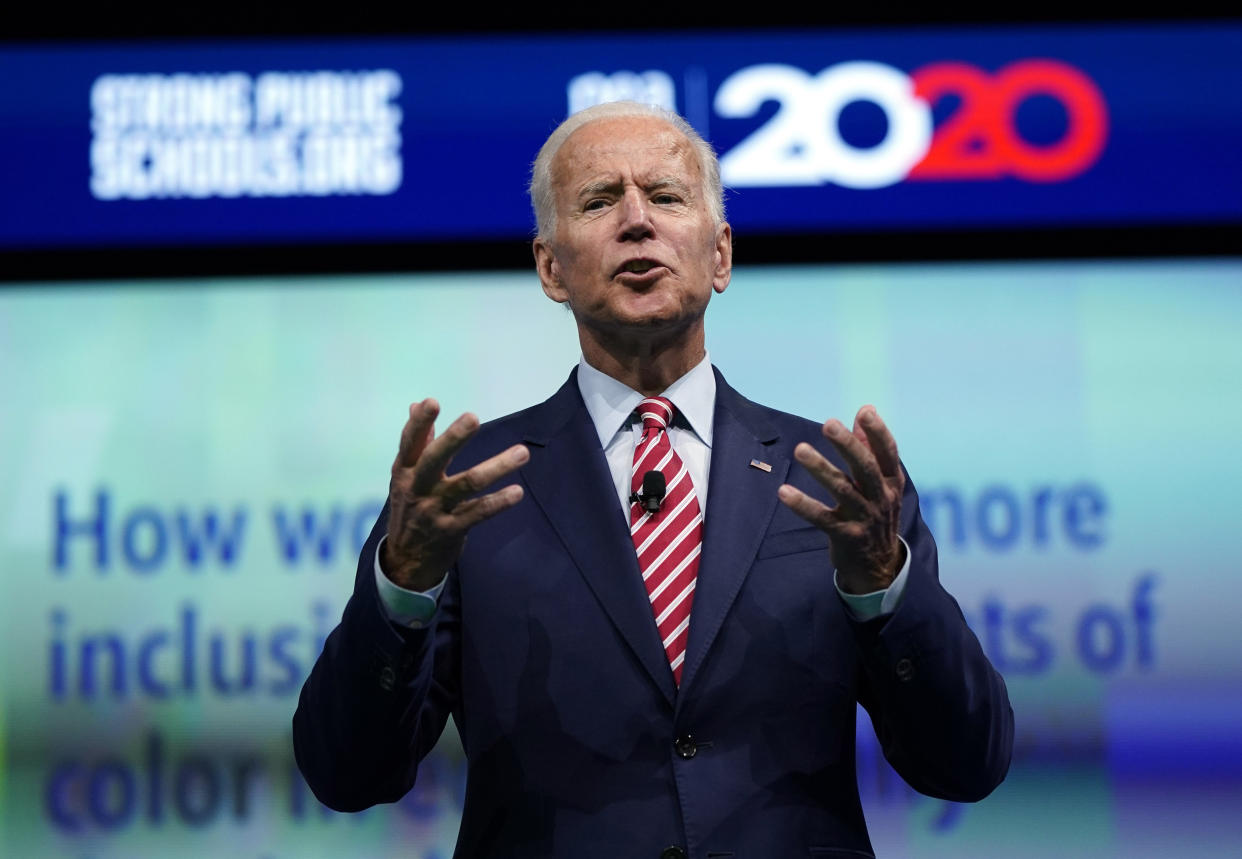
(610, 403)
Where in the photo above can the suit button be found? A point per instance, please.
(904, 669)
(686, 748)
(387, 678)
(672, 853)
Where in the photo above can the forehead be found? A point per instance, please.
(640, 147)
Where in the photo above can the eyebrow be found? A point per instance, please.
(669, 182)
(598, 187)
(611, 185)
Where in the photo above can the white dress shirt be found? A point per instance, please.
(611, 405)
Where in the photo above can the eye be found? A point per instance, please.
(665, 199)
(595, 205)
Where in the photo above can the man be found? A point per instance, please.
(644, 665)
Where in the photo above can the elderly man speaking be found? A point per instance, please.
(649, 604)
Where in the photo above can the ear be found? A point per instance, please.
(549, 270)
(724, 258)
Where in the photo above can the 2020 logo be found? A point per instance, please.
(801, 143)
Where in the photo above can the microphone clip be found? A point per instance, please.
(654, 489)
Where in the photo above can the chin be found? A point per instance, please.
(660, 323)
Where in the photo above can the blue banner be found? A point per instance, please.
(408, 139)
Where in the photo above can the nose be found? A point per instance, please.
(635, 216)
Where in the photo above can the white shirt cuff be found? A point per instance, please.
(414, 609)
(876, 603)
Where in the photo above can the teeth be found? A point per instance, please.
(638, 266)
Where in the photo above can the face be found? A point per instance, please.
(635, 253)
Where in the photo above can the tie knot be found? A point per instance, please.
(656, 413)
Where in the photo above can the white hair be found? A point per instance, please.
(543, 196)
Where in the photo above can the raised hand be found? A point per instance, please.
(863, 527)
(429, 512)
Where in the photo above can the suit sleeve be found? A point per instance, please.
(377, 698)
(940, 710)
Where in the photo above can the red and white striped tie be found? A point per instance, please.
(668, 541)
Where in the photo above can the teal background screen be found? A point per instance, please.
(189, 467)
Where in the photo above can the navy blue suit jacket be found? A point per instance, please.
(545, 652)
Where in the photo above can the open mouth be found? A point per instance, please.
(638, 266)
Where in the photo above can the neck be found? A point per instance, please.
(649, 366)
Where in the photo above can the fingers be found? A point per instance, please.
(416, 433)
(459, 487)
(427, 456)
(813, 511)
(429, 469)
(863, 465)
(830, 477)
(474, 511)
(870, 452)
(863, 526)
(422, 458)
(881, 442)
(832, 520)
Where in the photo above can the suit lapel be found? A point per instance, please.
(569, 479)
(740, 504)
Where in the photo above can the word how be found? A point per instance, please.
(144, 538)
